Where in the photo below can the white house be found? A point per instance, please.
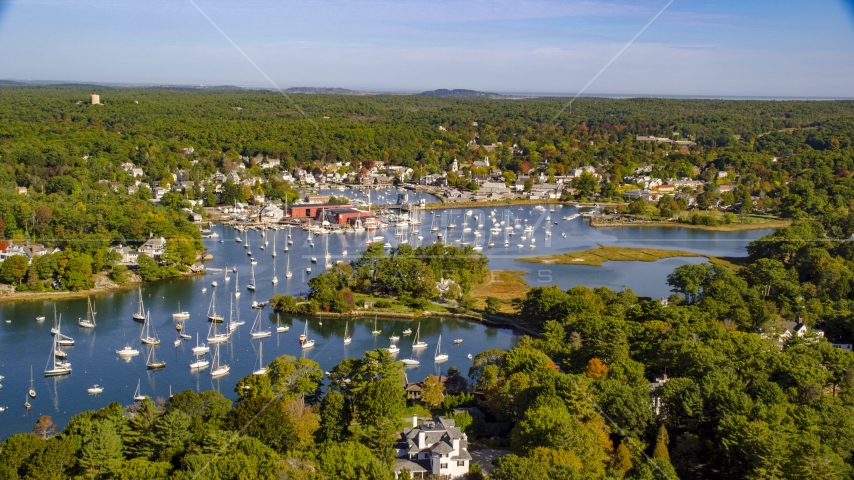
(153, 247)
(129, 256)
(436, 447)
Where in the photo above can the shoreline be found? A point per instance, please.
(97, 290)
(487, 319)
(735, 227)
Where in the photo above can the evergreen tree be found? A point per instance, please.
(102, 450)
(335, 418)
(661, 443)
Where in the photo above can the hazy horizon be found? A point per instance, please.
(764, 49)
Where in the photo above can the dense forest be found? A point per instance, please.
(615, 386)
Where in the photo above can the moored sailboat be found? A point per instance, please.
(89, 321)
(212, 315)
(137, 397)
(306, 342)
(147, 335)
(256, 331)
(347, 337)
(179, 315)
(440, 355)
(218, 369)
(152, 363)
(416, 342)
(139, 315)
(54, 368)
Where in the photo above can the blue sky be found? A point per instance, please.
(707, 48)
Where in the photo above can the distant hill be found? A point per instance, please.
(461, 93)
(323, 91)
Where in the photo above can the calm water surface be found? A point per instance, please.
(25, 343)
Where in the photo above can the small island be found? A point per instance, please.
(602, 253)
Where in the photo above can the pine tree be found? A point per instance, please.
(661, 443)
(102, 450)
(622, 460)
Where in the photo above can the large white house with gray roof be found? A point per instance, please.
(436, 447)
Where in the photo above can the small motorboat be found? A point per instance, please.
(200, 364)
(408, 331)
(95, 389)
(469, 356)
(458, 341)
(411, 362)
(40, 318)
(128, 351)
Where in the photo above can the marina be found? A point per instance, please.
(94, 351)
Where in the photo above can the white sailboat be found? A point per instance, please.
(182, 333)
(137, 397)
(251, 285)
(200, 348)
(275, 279)
(214, 336)
(236, 284)
(416, 342)
(54, 367)
(234, 320)
(288, 273)
(147, 335)
(32, 391)
(139, 315)
(262, 370)
(89, 321)
(274, 244)
(279, 327)
(179, 315)
(347, 337)
(218, 369)
(212, 315)
(306, 342)
(375, 330)
(256, 331)
(440, 355)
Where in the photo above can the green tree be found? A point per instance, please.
(662, 441)
(14, 269)
(102, 450)
(586, 184)
(148, 268)
(335, 418)
(493, 305)
(432, 391)
(351, 461)
(381, 399)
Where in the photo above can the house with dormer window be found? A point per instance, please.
(434, 447)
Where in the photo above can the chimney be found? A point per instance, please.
(415, 421)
